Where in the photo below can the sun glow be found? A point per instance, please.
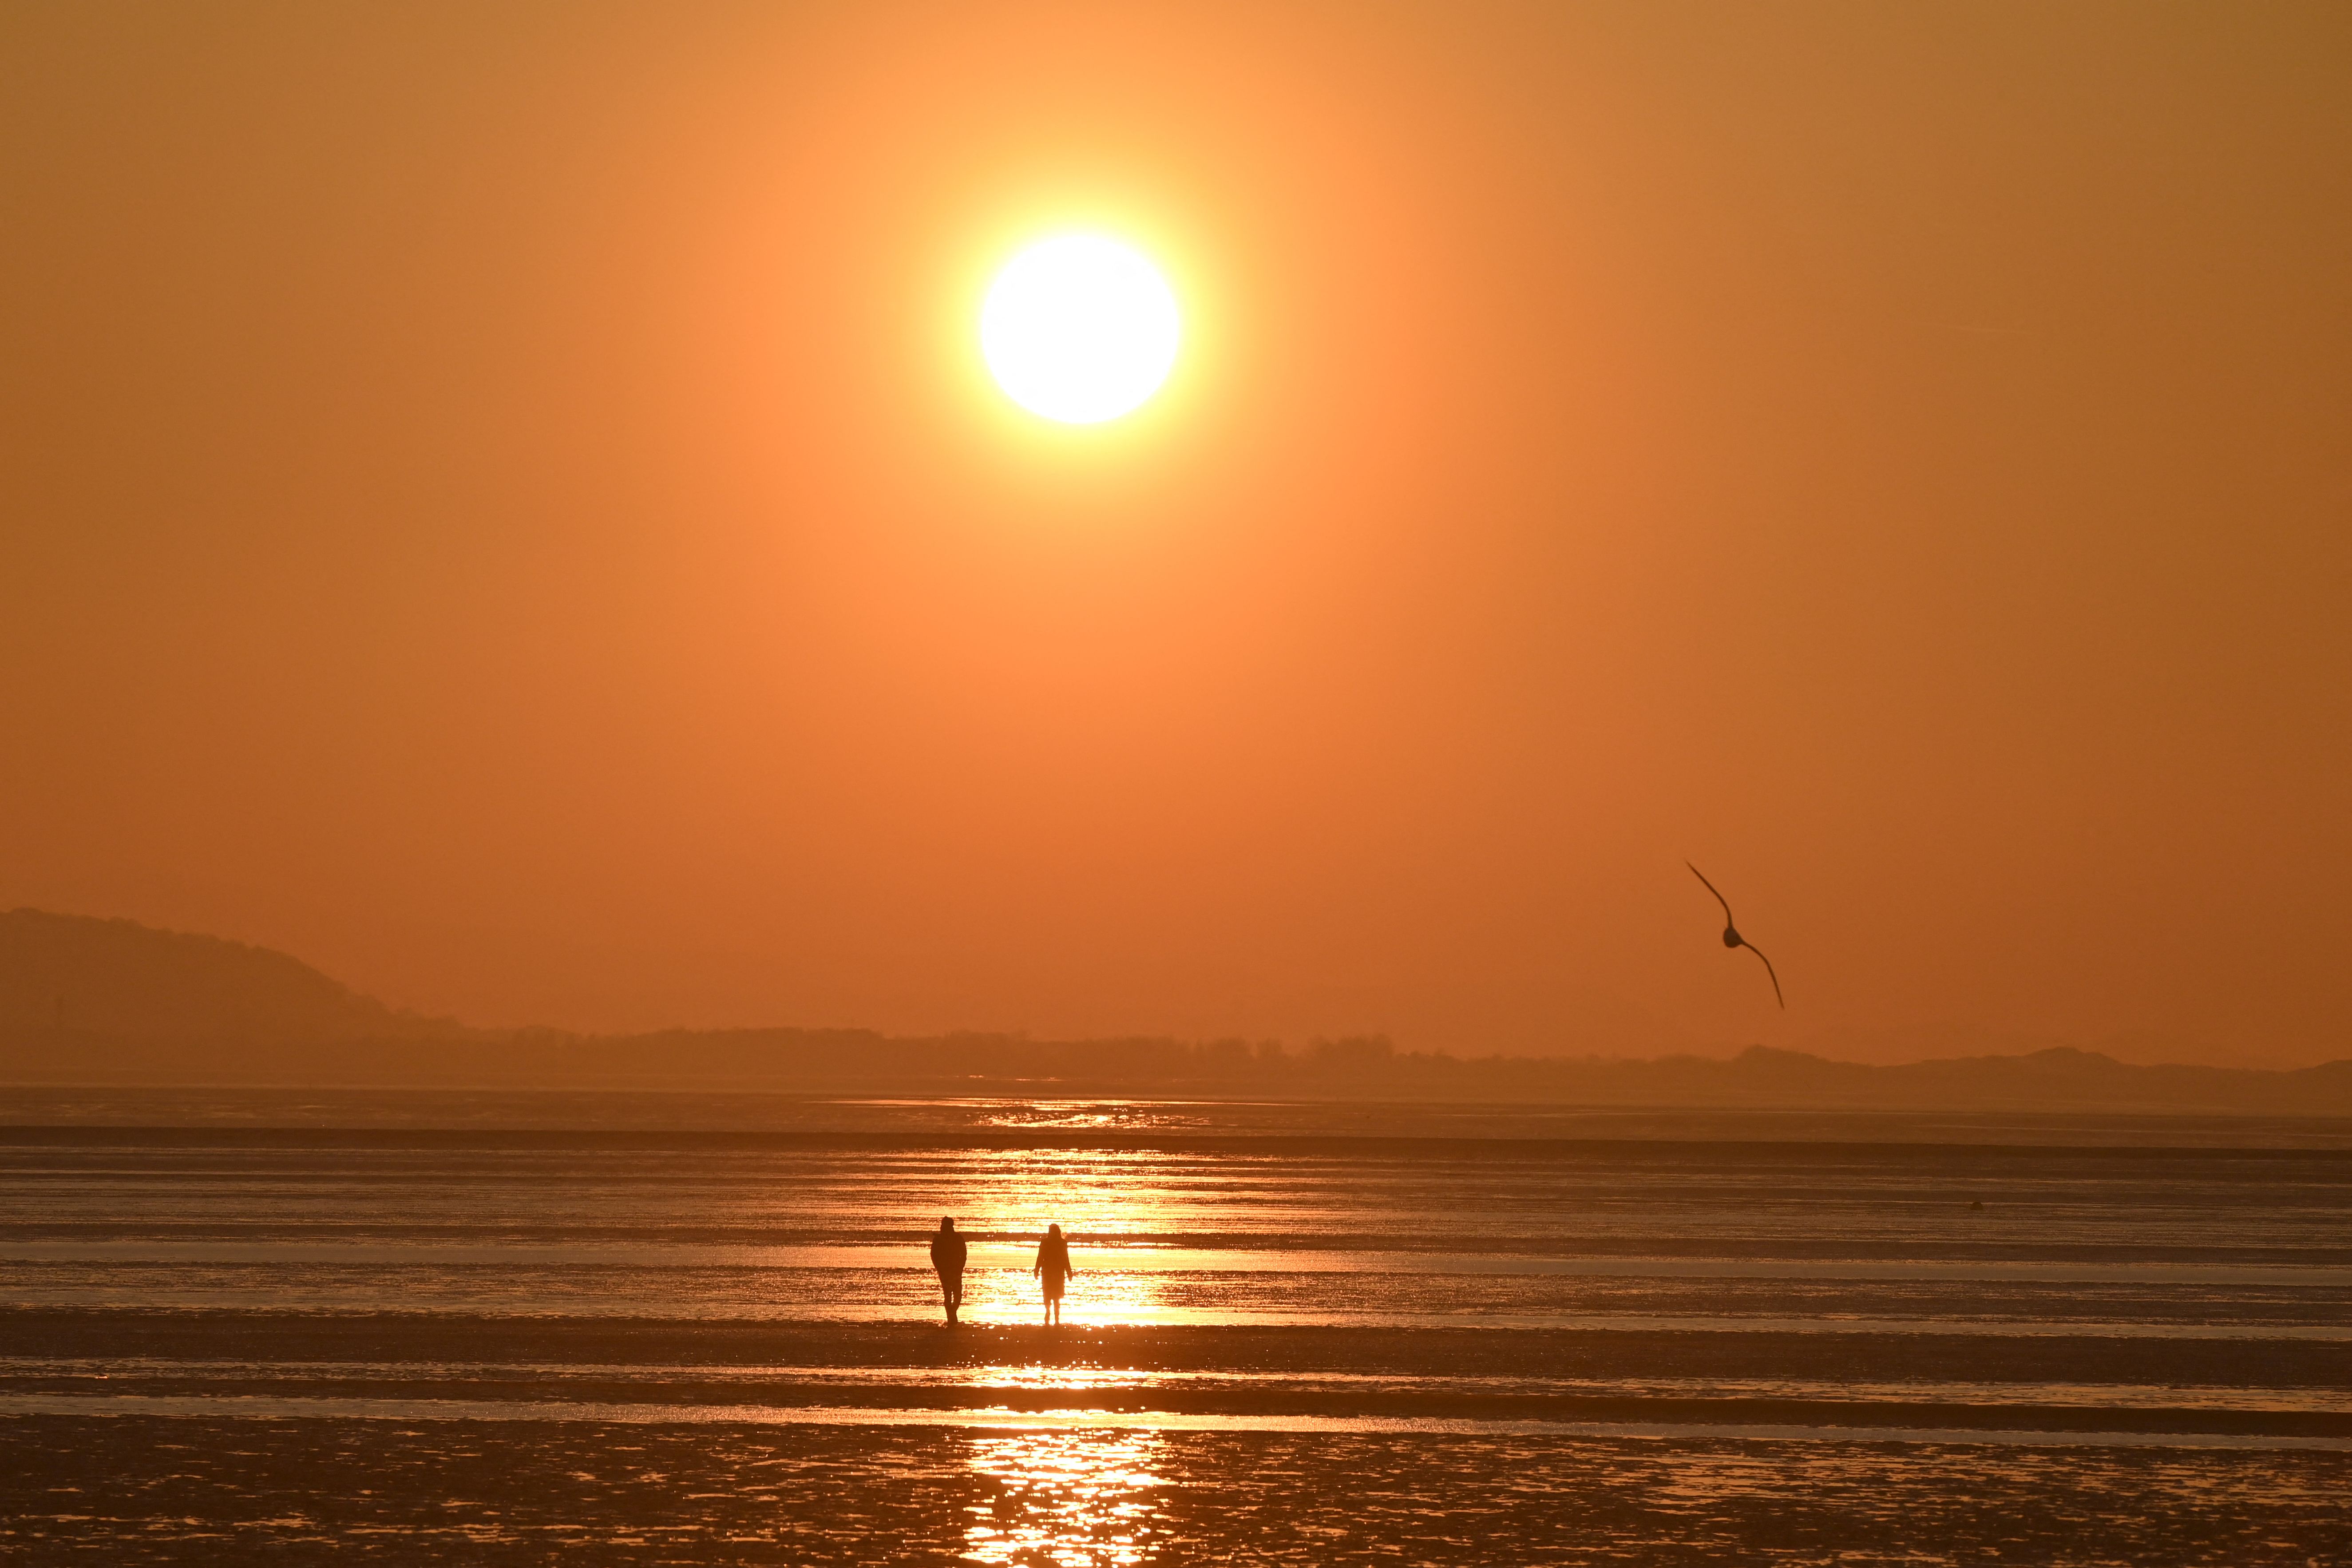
(1079, 329)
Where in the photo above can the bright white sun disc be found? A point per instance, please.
(1079, 329)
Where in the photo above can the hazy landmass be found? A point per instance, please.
(74, 977)
(111, 1002)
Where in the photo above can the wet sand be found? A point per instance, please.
(404, 1345)
(129, 1490)
(2054, 1382)
(153, 1437)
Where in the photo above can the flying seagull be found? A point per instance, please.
(1731, 937)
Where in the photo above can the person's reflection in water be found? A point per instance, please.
(947, 1256)
(1053, 1266)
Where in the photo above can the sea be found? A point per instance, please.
(263, 1326)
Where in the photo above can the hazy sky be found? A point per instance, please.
(502, 502)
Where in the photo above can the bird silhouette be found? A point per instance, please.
(1731, 937)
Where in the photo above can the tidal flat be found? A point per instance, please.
(127, 1489)
(1290, 1340)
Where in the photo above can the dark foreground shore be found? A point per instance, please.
(2051, 1384)
(126, 1490)
(199, 1439)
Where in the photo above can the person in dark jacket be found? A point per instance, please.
(1053, 1266)
(947, 1256)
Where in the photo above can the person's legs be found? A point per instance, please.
(953, 1283)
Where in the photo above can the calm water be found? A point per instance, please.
(1484, 1315)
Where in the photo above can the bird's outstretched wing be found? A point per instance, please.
(1718, 897)
(1773, 973)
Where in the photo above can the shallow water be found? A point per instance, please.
(248, 1407)
(193, 1492)
(1393, 1230)
(721, 1387)
(2165, 1327)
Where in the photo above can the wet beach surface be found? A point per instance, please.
(1451, 1339)
(128, 1490)
(2041, 1382)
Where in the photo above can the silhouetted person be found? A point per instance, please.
(1053, 1266)
(947, 1256)
(1731, 937)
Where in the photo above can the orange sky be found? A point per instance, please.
(501, 501)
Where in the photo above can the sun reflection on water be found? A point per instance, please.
(1085, 1115)
(1106, 1288)
(1072, 1499)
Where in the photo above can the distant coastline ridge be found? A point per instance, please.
(111, 1001)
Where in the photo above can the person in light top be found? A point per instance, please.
(1053, 1266)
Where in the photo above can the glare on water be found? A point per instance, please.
(1076, 1499)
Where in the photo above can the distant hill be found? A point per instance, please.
(70, 977)
(111, 1002)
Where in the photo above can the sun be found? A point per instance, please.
(1079, 329)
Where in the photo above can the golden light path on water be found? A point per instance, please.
(1076, 1499)
(1109, 1223)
